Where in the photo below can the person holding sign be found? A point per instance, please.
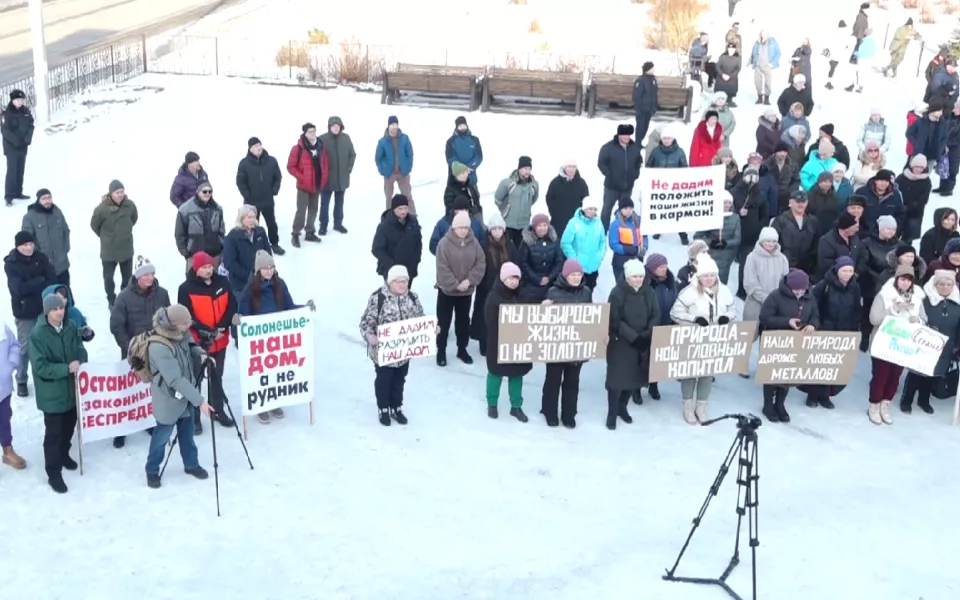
(506, 290)
(460, 267)
(540, 259)
(664, 285)
(585, 240)
(902, 299)
(634, 312)
(391, 303)
(791, 307)
(705, 302)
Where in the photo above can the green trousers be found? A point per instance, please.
(514, 390)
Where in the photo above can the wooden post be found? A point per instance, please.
(76, 384)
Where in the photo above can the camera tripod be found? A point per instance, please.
(744, 451)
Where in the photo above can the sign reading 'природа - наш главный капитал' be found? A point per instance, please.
(687, 351)
(552, 333)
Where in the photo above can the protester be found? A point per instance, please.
(625, 239)
(113, 221)
(9, 362)
(515, 197)
(820, 161)
(394, 158)
(16, 127)
(949, 260)
(341, 156)
(188, 178)
(725, 117)
(619, 161)
(768, 132)
(463, 147)
(822, 203)
(565, 194)
(870, 161)
(667, 154)
(688, 272)
(707, 140)
(915, 187)
(728, 72)
(540, 259)
(241, 245)
(724, 243)
(754, 203)
(934, 240)
(764, 58)
(840, 150)
(876, 250)
(499, 251)
(763, 271)
(309, 164)
(883, 198)
(799, 234)
(796, 93)
(258, 180)
(51, 234)
(664, 285)
(585, 241)
(460, 268)
(838, 301)
(460, 186)
(842, 241)
(200, 227)
(73, 313)
(731, 170)
(398, 240)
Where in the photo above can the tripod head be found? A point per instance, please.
(747, 423)
(206, 338)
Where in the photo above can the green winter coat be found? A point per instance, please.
(340, 155)
(901, 39)
(50, 353)
(113, 224)
(515, 199)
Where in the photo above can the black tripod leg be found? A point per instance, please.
(753, 503)
(169, 454)
(216, 465)
(236, 425)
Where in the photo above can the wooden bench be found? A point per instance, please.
(431, 79)
(565, 87)
(672, 95)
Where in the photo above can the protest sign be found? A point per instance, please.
(910, 345)
(688, 351)
(552, 333)
(403, 340)
(796, 358)
(675, 200)
(277, 361)
(111, 401)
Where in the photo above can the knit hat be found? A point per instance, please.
(17, 95)
(53, 301)
(672, 131)
(904, 271)
(839, 168)
(918, 160)
(539, 219)
(720, 96)
(843, 261)
(461, 219)
(142, 266)
(885, 175)
(569, 162)
(904, 249)
(825, 176)
(769, 234)
(625, 202)
(115, 185)
(710, 113)
(253, 142)
(886, 222)
(191, 157)
(458, 168)
(646, 67)
(797, 280)
(392, 120)
(397, 272)
(826, 147)
(263, 260)
(202, 259)
(827, 128)
(525, 161)
(771, 112)
(845, 221)
(571, 266)
(508, 269)
(308, 126)
(23, 237)
(461, 120)
(952, 247)
(204, 185)
(857, 200)
(781, 147)
(706, 265)
(398, 201)
(633, 267)
(724, 153)
(172, 316)
(461, 202)
(942, 275)
(751, 172)
(696, 248)
(496, 220)
(625, 129)
(590, 202)
(654, 261)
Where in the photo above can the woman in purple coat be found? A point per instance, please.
(190, 175)
(9, 359)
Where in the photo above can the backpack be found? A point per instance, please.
(138, 356)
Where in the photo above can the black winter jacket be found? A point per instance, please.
(562, 292)
(790, 96)
(564, 197)
(633, 315)
(26, 278)
(944, 317)
(645, 94)
(798, 245)
(500, 294)
(875, 253)
(258, 179)
(782, 305)
(839, 304)
(667, 157)
(495, 260)
(749, 197)
(935, 239)
(240, 252)
(539, 258)
(397, 243)
(825, 206)
(133, 311)
(915, 191)
(831, 247)
(456, 188)
(16, 127)
(620, 165)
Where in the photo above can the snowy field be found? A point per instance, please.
(454, 505)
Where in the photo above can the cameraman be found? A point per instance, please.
(213, 307)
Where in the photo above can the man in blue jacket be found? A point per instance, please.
(395, 162)
(460, 204)
(464, 147)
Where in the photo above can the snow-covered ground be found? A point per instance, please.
(454, 505)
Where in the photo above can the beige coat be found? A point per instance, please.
(459, 259)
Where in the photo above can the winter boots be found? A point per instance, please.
(22, 390)
(700, 412)
(638, 397)
(879, 413)
(654, 390)
(384, 417)
(55, 481)
(885, 412)
(397, 415)
(198, 472)
(689, 412)
(265, 417)
(464, 356)
(494, 413)
(617, 408)
(12, 459)
(518, 414)
(441, 357)
(773, 404)
(295, 241)
(312, 237)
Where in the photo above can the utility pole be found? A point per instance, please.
(41, 92)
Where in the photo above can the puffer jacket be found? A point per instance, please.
(200, 228)
(499, 295)
(51, 352)
(798, 245)
(729, 238)
(667, 157)
(625, 238)
(51, 233)
(561, 292)
(383, 306)
(885, 305)
(133, 311)
(788, 121)
(762, 274)
(185, 184)
(874, 252)
(943, 315)
(812, 169)
(839, 304)
(768, 136)
(113, 224)
(825, 206)
(239, 253)
(633, 315)
(174, 363)
(459, 259)
(727, 120)
(692, 303)
(782, 305)
(585, 241)
(26, 278)
(564, 197)
(515, 199)
(890, 204)
(539, 258)
(920, 270)
(935, 239)
(915, 191)
(874, 131)
(864, 170)
(831, 247)
(666, 292)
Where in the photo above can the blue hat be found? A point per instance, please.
(392, 120)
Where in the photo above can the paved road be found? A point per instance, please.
(73, 25)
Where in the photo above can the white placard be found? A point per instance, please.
(277, 360)
(112, 401)
(681, 200)
(408, 339)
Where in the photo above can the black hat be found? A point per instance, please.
(886, 175)
(904, 249)
(461, 120)
(461, 202)
(857, 200)
(625, 201)
(846, 220)
(191, 157)
(525, 161)
(799, 196)
(22, 238)
(43, 192)
(934, 106)
(865, 6)
(710, 113)
(253, 142)
(17, 95)
(647, 66)
(781, 147)
(308, 126)
(827, 128)
(842, 24)
(910, 21)
(392, 120)
(399, 200)
(625, 129)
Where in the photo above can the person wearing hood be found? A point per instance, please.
(394, 159)
(56, 354)
(941, 305)
(498, 251)
(634, 312)
(883, 198)
(763, 270)
(915, 187)
(688, 272)
(913, 115)
(393, 302)
(398, 240)
(461, 265)
(459, 185)
(625, 237)
(645, 102)
(841, 185)
(619, 160)
(540, 260)
(10, 353)
(876, 250)
(838, 300)
(667, 153)
(341, 156)
(901, 299)
(190, 175)
(794, 138)
(724, 243)
(949, 260)
(842, 240)
(754, 201)
(840, 151)
(309, 164)
(928, 134)
(515, 197)
(821, 161)
(585, 240)
(258, 181)
(132, 313)
(113, 221)
(73, 313)
(801, 64)
(785, 172)
(724, 115)
(869, 162)
(565, 194)
(16, 128)
(240, 248)
(51, 234)
(874, 130)
(793, 117)
(791, 307)
(705, 302)
(561, 385)
(664, 285)
(731, 168)
(799, 234)
(200, 227)
(28, 272)
(823, 204)
(728, 72)
(768, 132)
(460, 205)
(213, 309)
(464, 147)
(935, 239)
(506, 290)
(796, 93)
(707, 140)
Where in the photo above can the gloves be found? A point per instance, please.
(311, 306)
(722, 244)
(723, 320)
(640, 343)
(236, 319)
(702, 322)
(86, 334)
(715, 244)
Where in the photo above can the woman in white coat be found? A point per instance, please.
(704, 302)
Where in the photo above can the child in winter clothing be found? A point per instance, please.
(624, 237)
(73, 313)
(664, 286)
(585, 240)
(724, 243)
(934, 240)
(689, 271)
(9, 360)
(874, 130)
(499, 250)
(461, 265)
(393, 302)
(915, 187)
(871, 161)
(506, 290)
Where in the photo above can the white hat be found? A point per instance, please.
(706, 265)
(590, 202)
(671, 130)
(397, 272)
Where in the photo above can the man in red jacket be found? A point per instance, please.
(308, 164)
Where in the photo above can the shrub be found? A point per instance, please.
(910, 3)
(673, 23)
(534, 27)
(927, 14)
(639, 1)
(356, 63)
(949, 7)
(318, 37)
(517, 2)
(293, 54)
(543, 47)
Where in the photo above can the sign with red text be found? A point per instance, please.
(112, 401)
(403, 340)
(675, 200)
(277, 360)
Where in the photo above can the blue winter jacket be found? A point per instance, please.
(9, 360)
(585, 241)
(239, 252)
(268, 304)
(385, 158)
(465, 148)
(843, 190)
(443, 226)
(774, 53)
(813, 168)
(625, 237)
(666, 292)
(73, 313)
(867, 49)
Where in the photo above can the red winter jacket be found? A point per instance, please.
(703, 148)
(300, 165)
(912, 116)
